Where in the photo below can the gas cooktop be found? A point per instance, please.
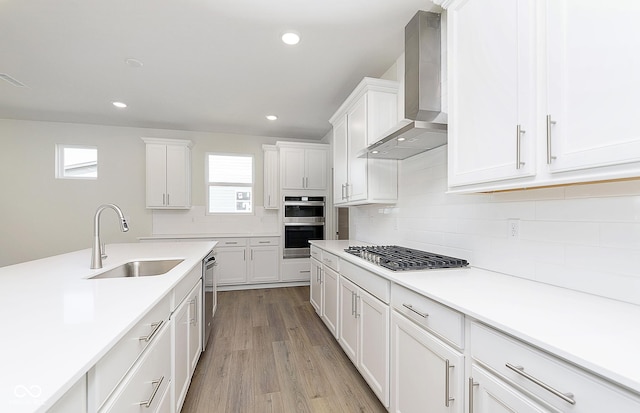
(397, 258)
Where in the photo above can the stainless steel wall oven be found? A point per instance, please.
(303, 221)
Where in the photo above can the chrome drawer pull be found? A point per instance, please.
(550, 122)
(410, 307)
(519, 132)
(471, 385)
(156, 327)
(567, 397)
(447, 395)
(157, 384)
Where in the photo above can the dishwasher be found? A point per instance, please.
(209, 296)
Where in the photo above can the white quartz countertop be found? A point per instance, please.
(58, 324)
(598, 334)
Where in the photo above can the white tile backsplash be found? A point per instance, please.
(584, 237)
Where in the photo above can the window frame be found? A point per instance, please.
(231, 184)
(59, 161)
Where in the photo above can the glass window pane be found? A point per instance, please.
(76, 162)
(234, 199)
(231, 169)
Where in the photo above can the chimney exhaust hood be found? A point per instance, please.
(424, 126)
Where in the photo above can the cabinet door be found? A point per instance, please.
(315, 286)
(340, 161)
(264, 263)
(492, 90)
(593, 83)
(419, 371)
(292, 168)
(231, 265)
(316, 169)
(195, 327)
(492, 395)
(181, 374)
(178, 183)
(357, 141)
(156, 167)
(373, 355)
(330, 293)
(348, 321)
(271, 183)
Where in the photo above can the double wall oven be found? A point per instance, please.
(303, 221)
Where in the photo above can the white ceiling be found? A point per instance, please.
(209, 65)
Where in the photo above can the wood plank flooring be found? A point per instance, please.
(270, 353)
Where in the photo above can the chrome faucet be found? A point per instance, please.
(97, 253)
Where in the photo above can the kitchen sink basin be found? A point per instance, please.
(139, 269)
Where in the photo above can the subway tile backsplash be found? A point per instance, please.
(584, 237)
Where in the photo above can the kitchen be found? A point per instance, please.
(579, 237)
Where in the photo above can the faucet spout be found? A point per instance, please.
(96, 251)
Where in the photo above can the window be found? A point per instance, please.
(229, 184)
(76, 162)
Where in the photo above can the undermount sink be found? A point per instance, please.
(139, 269)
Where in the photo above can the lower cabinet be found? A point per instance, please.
(427, 375)
(247, 260)
(187, 329)
(324, 294)
(364, 335)
(74, 400)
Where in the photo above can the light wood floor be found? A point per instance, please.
(270, 353)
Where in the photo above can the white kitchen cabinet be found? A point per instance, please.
(247, 260)
(295, 270)
(303, 166)
(530, 104)
(324, 288)
(370, 110)
(168, 172)
(271, 177)
(426, 374)
(364, 333)
(187, 330)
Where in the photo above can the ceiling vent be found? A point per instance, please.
(11, 80)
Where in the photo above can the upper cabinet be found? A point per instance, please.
(303, 166)
(370, 110)
(271, 182)
(168, 170)
(538, 96)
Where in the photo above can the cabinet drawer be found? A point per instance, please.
(331, 261)
(144, 388)
(441, 320)
(256, 242)
(231, 242)
(183, 288)
(110, 369)
(374, 284)
(588, 393)
(316, 253)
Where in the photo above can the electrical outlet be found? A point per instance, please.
(514, 229)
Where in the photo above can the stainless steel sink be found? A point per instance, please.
(139, 269)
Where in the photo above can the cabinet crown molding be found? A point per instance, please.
(165, 141)
(367, 84)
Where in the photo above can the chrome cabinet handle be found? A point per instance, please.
(163, 199)
(549, 123)
(168, 202)
(472, 384)
(264, 242)
(567, 397)
(156, 383)
(357, 297)
(519, 133)
(155, 327)
(410, 307)
(251, 254)
(447, 395)
(195, 317)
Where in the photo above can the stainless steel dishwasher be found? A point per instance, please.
(209, 296)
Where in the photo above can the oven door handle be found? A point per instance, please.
(303, 224)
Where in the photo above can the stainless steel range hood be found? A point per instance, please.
(424, 126)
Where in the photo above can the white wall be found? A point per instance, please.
(583, 237)
(42, 216)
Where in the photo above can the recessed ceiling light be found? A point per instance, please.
(120, 105)
(132, 62)
(401, 139)
(375, 152)
(271, 117)
(291, 38)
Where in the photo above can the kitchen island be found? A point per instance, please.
(583, 336)
(58, 323)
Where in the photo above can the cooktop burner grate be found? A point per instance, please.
(398, 258)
